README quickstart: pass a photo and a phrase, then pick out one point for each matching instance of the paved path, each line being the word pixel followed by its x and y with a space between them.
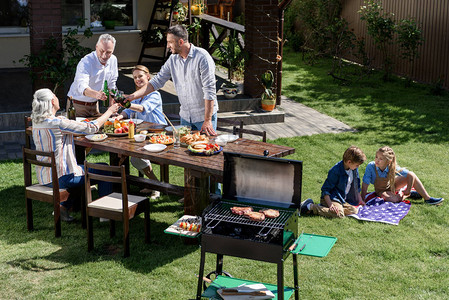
pixel 300 120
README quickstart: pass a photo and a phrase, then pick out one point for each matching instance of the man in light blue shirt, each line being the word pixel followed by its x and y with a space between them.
pixel 91 72
pixel 192 70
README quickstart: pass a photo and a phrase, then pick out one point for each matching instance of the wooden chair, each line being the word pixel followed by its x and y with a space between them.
pixel 39 192
pixel 115 206
pixel 27 123
pixel 241 131
pixel 234 124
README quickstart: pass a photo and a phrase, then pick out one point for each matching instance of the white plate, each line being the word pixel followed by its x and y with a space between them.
pixel 80 119
pixel 226 138
pixel 97 137
pixel 169 128
pixel 137 121
pixel 155 147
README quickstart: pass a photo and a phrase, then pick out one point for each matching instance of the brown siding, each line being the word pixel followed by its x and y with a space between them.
pixel 433 15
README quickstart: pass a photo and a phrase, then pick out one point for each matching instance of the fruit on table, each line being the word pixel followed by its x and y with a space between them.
pixel 116 127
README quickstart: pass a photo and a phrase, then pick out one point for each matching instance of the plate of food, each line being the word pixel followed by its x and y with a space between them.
pixel 206 149
pixel 82 119
pixel 187 225
pixel 99 137
pixel 155 147
pixel 161 139
pixel 190 138
pixel 153 128
pixel 170 129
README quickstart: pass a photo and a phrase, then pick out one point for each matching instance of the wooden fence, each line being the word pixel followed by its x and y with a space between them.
pixel 433 17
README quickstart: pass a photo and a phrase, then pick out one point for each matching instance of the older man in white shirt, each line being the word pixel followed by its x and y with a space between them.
pixel 192 70
pixel 91 73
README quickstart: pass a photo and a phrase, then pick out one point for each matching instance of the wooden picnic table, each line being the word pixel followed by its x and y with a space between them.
pixel 197 169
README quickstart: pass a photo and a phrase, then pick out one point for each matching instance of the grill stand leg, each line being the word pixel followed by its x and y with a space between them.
pixel 219 265
pixel 295 275
pixel 280 281
pixel 200 275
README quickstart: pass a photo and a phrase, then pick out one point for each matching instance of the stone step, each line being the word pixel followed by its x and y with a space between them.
pixel 250 117
pixel 13 136
pixel 12 120
pixel 239 103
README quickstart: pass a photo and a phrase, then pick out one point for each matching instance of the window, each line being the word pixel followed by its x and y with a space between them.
pixel 99 14
pixel 14 13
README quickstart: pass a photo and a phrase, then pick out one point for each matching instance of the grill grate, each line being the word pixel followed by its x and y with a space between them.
pixel 221 212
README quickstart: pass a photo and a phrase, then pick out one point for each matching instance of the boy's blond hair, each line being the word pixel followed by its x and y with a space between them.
pixel 354 154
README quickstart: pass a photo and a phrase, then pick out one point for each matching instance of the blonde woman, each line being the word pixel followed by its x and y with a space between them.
pixel 388 178
pixel 149 109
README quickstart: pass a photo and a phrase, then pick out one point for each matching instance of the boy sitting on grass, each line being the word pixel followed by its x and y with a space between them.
pixel 340 192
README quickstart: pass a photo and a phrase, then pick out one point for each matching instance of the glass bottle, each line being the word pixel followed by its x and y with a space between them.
pixel 71 111
pixel 106 91
pixel 118 97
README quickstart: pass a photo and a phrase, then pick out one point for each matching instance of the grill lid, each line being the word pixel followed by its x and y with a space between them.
pixel 263 180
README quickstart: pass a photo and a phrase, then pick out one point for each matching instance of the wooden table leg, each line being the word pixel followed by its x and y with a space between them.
pixel 196 192
pixel 196 196
pixel 80 154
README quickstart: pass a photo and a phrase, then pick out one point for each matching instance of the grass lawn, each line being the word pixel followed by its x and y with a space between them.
pixel 369 260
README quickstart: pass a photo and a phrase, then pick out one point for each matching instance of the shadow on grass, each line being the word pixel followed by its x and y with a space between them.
pixel 71 247
pixel 409 114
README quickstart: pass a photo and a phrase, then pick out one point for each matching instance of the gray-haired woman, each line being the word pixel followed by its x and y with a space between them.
pixel 51 133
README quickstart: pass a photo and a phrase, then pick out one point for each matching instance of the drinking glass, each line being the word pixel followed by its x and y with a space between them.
pixel 133 117
pixel 176 139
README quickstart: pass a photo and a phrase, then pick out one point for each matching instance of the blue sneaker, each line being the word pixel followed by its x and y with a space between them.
pixel 434 201
pixel 304 210
pixel 414 195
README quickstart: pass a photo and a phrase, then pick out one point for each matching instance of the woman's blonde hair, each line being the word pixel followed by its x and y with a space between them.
pixel 42 106
pixel 388 153
pixel 143 69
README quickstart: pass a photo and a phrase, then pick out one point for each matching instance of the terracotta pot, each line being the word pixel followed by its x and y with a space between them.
pixel 268 104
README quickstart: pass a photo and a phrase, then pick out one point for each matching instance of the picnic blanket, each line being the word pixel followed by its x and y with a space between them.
pixel 378 210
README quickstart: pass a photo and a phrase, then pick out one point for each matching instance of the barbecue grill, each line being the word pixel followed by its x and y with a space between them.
pixel 262 183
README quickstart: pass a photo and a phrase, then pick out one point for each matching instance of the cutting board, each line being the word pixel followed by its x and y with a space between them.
pixel 248 288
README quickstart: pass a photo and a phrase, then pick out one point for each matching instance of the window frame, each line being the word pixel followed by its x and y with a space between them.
pixel 18 30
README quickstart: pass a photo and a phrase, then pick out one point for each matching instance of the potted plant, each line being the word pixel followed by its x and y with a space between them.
pixel 154 36
pixel 110 15
pixel 230 90
pixel 234 59
pixel 268 97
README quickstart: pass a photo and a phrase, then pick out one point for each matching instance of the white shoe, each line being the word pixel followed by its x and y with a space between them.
pixel 155 195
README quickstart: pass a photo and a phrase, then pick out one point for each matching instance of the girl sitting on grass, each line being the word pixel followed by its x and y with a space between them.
pixel 388 178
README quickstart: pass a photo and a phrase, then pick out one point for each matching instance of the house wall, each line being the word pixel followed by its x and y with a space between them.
pixel 15 46
pixel 262 21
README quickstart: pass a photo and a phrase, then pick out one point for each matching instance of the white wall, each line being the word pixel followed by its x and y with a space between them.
pixel 15 46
